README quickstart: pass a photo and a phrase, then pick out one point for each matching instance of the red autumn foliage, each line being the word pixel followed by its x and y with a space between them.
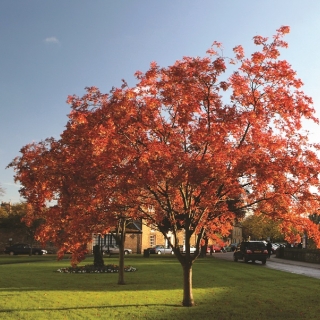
pixel 184 149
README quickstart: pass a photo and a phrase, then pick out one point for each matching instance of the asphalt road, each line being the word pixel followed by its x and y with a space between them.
pixel 303 268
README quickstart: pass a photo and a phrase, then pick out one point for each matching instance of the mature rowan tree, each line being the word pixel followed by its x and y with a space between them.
pixel 185 149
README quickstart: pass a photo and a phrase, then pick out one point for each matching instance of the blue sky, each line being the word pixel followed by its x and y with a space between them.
pixel 55 48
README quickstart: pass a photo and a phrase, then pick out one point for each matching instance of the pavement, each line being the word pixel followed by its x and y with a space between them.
pixel 298 267
pixel 295 263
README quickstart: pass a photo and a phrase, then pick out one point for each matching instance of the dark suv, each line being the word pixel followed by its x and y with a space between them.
pixel 251 251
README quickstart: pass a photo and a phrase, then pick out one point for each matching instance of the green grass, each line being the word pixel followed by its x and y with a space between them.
pixel 30 288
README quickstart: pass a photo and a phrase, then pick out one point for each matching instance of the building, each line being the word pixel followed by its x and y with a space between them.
pixel 140 237
pixel 236 234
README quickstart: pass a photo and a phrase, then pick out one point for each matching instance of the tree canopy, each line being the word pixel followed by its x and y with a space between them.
pixel 1 191
pixel 260 227
pixel 12 218
pixel 185 149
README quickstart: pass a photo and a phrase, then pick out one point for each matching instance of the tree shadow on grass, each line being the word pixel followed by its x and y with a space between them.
pixel 92 307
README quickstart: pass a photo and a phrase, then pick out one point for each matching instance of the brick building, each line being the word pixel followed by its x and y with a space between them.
pixel 140 237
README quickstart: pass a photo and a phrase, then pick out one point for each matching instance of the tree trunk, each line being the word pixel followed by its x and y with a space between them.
pixel 97 256
pixel 121 265
pixel 122 236
pixel 203 252
pixel 187 285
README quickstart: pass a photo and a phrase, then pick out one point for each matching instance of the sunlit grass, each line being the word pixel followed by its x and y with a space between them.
pixel 222 290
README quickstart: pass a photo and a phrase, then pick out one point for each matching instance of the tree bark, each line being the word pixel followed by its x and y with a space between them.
pixel 97 256
pixel 187 285
pixel 122 236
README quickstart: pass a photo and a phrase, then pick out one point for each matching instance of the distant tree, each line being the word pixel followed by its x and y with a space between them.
pixel 174 153
pixel 14 217
pixel 260 227
pixel 5 209
pixel 2 192
pixel 315 218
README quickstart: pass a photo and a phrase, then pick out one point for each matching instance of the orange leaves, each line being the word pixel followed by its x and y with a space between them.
pixel 224 85
pixel 217 44
pixel 138 75
pixel 174 142
pixel 238 50
pixel 258 40
pixel 257 57
pixel 212 51
pixel 294 227
pixel 219 65
pixel 78 117
pixel 283 30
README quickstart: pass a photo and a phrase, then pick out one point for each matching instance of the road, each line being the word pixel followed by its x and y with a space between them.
pixel 298 267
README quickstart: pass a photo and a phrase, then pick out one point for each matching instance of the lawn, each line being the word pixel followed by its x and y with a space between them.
pixel 32 289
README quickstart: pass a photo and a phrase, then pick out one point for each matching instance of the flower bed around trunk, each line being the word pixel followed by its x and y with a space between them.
pixel 110 268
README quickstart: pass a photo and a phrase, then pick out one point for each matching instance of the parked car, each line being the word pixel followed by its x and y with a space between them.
pixel 114 249
pixel 192 249
pixel 231 247
pixel 22 248
pixel 159 249
pixel 251 251
pixel 216 248
pixel 274 247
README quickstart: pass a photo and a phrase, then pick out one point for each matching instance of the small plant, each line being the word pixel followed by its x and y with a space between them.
pixel 110 268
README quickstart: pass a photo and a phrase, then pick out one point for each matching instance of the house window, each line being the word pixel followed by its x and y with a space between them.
pixel 103 240
pixel 152 240
pixel 97 240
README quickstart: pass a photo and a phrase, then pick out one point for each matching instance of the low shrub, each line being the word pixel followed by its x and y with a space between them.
pixel 110 268
pixel 297 254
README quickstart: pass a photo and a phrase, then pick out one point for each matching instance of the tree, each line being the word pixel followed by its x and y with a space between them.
pixel 260 227
pixel 174 152
pixel 120 236
pixel 1 191
pixel 12 217
pixel 62 171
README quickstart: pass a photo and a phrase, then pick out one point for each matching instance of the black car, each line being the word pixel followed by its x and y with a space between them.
pixel 22 248
pixel 251 251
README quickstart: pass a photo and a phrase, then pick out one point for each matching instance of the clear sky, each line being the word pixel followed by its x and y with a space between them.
pixel 54 48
